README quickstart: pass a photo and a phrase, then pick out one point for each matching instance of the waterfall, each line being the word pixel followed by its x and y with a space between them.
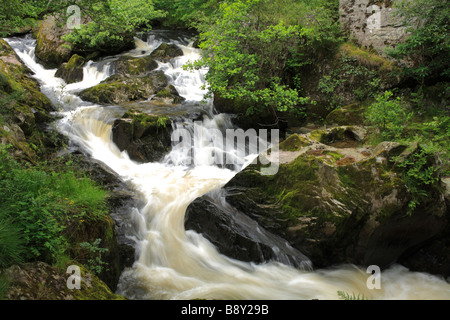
pixel 173 263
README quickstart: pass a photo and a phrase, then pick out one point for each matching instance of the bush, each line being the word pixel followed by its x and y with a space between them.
pixel 40 204
pixel 249 45
pixel 389 115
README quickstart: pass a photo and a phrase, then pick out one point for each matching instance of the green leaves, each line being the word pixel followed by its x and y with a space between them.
pixel 419 173
pixel 247 46
pixel 428 46
pixel 112 22
pixel 389 115
pixel 40 204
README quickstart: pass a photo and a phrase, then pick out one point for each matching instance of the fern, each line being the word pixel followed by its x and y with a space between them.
pixel 346 296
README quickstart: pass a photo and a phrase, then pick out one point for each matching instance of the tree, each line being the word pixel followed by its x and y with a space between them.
pixel 248 46
pixel 388 115
pixel 111 21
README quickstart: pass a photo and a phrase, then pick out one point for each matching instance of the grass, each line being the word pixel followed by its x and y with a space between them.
pixel 40 204
pixel 369 59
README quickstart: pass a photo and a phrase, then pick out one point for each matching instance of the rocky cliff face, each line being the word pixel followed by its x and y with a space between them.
pixel 372 24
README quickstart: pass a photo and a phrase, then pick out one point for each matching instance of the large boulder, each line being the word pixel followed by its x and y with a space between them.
pixel 117 89
pixel 128 66
pixel 339 201
pixel 145 137
pixel 237 236
pixel 40 281
pixel 51 49
pixel 72 71
pixel 165 52
pixel 134 79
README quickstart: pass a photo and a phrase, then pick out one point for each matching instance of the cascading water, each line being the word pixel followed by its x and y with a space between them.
pixel 173 263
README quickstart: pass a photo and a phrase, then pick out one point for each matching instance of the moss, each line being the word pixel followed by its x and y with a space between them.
pixel 369 59
pixel 92 288
pixel 334 155
pixel 348 115
pixel 294 143
pixel 135 66
pixel 317 135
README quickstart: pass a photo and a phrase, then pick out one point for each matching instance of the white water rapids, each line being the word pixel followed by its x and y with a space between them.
pixel 173 263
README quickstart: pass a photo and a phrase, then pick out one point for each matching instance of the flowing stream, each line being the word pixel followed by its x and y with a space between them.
pixel 172 263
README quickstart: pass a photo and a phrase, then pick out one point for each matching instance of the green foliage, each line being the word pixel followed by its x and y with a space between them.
pixel 428 46
pixel 41 203
pixel 389 115
pixel 186 13
pixel 346 296
pixel 4 284
pixel 11 243
pixel 113 21
pixel 249 45
pixel 96 264
pixel 419 173
pixel 18 14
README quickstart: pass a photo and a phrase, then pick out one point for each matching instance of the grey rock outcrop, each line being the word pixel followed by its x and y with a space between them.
pixel 373 24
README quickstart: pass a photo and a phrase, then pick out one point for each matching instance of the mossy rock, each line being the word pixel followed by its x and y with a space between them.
pixel 343 211
pixel 168 95
pixel 40 281
pixel 294 142
pixel 24 109
pixel 260 119
pixel 145 137
pixel 72 71
pixel 51 50
pixel 130 66
pixel 165 52
pixel 116 89
pixel 344 116
pixel 339 137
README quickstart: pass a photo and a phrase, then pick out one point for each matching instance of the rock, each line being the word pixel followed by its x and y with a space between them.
pixel 72 71
pixel 348 115
pixel 129 66
pixel 117 89
pixel 168 95
pixel 146 138
pixel 237 236
pixel 134 79
pixel 40 281
pixel 238 108
pixel 340 205
pixel 27 110
pixel 165 52
pixel 51 50
pixel 373 24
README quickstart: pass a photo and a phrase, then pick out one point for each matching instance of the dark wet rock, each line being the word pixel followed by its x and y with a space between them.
pixel 239 237
pixel 168 95
pixel 146 138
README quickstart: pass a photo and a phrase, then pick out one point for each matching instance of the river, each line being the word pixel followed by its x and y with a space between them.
pixel 174 263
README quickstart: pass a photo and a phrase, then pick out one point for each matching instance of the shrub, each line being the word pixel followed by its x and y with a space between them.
pixel 389 115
